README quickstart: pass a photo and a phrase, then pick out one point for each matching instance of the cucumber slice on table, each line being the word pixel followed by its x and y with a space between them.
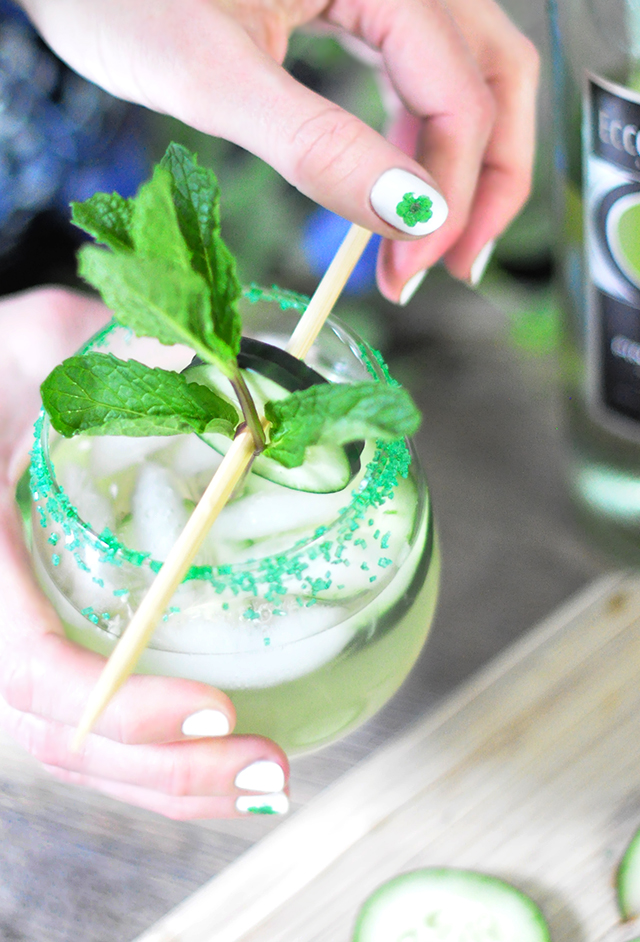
pixel 628 880
pixel 271 374
pixel 453 905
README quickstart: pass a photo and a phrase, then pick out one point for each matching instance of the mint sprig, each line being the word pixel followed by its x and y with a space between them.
pixel 165 272
pixel 339 413
pixel 103 395
pixel 153 288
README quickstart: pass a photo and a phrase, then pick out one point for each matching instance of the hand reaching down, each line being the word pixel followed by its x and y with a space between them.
pixel 463 77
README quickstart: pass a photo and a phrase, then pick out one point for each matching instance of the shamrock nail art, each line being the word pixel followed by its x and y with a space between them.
pixel 408 203
pixel 413 209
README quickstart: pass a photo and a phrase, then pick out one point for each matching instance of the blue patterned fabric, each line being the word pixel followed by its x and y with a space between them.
pixel 61 137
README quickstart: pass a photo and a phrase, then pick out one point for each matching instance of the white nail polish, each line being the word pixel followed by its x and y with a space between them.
pixel 480 265
pixel 206 723
pixel 407 203
pixel 263 804
pixel 412 286
pixel 261 776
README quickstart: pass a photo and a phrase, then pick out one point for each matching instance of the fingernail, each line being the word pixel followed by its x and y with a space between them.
pixel 263 804
pixel 408 203
pixel 480 265
pixel 261 776
pixel 412 286
pixel 206 723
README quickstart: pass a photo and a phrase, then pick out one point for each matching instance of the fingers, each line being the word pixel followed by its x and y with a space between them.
pixel 511 65
pixel 180 808
pixel 161 743
pixel 446 120
pixel 487 185
pixel 327 153
pixel 43 673
pixel 198 61
pixel 51 677
pixel 461 69
pixel 206 767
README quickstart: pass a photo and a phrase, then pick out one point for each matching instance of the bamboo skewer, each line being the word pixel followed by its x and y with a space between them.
pixel 138 633
pixel 328 292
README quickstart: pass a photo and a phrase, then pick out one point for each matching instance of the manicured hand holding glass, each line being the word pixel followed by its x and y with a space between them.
pixel 162 743
pixel 463 76
pixel 466 80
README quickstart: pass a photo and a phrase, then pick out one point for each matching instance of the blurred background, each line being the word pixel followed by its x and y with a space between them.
pixel 483 366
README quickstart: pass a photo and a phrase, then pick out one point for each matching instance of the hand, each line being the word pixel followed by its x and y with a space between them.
pixel 138 752
pixel 465 77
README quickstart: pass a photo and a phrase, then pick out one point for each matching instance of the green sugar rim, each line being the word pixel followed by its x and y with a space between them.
pixel 262 576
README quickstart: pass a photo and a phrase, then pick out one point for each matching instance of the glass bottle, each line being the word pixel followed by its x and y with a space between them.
pixel 596 84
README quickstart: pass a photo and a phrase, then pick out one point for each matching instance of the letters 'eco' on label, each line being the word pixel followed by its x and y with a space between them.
pixel 616 128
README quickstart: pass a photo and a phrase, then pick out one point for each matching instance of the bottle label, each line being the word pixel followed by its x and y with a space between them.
pixel 612 237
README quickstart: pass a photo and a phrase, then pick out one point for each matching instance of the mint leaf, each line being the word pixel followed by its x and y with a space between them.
pixel 157 299
pixel 155 230
pixel 107 217
pixel 196 196
pixel 338 413
pixel 102 395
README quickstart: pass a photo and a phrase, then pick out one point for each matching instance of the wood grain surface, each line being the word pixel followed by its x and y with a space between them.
pixel 530 772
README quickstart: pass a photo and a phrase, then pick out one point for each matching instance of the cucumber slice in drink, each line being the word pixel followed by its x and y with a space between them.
pixel 628 880
pixel 270 374
pixel 276 364
pixel 456 905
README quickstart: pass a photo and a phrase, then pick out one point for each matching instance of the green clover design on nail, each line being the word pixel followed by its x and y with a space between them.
pixel 261 809
pixel 413 209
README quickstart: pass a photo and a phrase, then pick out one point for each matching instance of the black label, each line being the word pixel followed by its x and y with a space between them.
pixel 612 235
pixel 615 128
pixel 620 355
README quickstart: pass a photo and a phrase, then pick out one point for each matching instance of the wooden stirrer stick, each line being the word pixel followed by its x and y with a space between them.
pixel 138 633
pixel 328 291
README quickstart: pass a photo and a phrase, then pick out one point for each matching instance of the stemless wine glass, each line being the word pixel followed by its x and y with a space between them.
pixel 308 609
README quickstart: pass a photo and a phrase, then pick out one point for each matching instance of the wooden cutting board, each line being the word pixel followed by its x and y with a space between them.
pixel 530 772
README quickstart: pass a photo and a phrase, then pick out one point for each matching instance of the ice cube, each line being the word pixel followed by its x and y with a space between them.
pixel 230 652
pixel 273 510
pixel 112 453
pixel 158 509
pixel 231 553
pixel 193 456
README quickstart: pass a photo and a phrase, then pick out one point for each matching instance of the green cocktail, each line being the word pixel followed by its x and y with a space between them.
pixel 308 608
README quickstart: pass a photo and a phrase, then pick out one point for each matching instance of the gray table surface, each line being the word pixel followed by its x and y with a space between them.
pixel 75 866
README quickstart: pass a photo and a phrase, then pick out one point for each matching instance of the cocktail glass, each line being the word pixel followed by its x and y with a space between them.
pixel 308 609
